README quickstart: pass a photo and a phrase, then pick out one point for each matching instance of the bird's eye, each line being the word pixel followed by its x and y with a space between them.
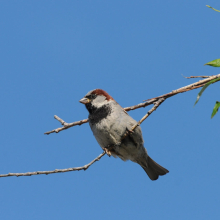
pixel 93 96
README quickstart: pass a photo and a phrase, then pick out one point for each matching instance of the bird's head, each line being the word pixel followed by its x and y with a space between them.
pixel 95 99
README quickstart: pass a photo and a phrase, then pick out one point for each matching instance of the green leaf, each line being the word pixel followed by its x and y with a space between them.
pixel 212 8
pixel 215 109
pixel 204 88
pixel 215 63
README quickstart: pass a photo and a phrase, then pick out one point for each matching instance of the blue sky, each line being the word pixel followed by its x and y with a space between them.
pixel 52 53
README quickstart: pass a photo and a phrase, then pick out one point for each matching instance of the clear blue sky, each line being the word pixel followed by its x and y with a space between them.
pixel 52 53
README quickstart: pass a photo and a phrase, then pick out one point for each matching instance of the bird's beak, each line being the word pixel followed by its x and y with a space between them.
pixel 84 100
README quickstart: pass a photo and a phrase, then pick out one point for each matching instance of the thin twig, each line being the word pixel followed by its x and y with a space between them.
pixel 156 105
pixel 192 77
pixel 141 105
pixel 67 125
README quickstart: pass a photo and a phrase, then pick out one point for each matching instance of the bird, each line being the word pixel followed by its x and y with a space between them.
pixel 109 122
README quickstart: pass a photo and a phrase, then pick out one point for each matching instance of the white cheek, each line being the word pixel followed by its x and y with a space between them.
pixel 99 101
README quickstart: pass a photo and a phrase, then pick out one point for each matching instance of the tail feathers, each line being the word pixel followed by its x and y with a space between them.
pixel 154 170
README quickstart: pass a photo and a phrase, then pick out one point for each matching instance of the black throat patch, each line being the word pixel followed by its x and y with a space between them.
pixel 97 114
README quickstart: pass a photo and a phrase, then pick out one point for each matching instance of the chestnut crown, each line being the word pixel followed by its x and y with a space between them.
pixel 96 96
pixel 92 94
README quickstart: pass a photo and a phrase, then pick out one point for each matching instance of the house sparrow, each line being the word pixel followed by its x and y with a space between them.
pixel 109 122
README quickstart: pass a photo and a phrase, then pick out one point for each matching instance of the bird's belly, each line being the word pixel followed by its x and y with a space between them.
pixel 127 150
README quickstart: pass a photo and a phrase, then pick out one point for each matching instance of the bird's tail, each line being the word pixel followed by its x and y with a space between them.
pixel 154 170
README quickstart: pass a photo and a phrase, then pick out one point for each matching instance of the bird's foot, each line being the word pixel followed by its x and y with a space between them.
pixel 127 132
pixel 107 151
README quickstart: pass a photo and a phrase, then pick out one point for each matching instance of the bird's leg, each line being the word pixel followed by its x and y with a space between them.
pixel 110 147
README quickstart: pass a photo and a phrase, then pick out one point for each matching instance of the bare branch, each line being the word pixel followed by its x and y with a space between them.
pixel 85 167
pixel 66 125
pixel 141 105
pixel 156 105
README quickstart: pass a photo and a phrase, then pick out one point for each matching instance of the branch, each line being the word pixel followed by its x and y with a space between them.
pixel 196 85
pixel 85 167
